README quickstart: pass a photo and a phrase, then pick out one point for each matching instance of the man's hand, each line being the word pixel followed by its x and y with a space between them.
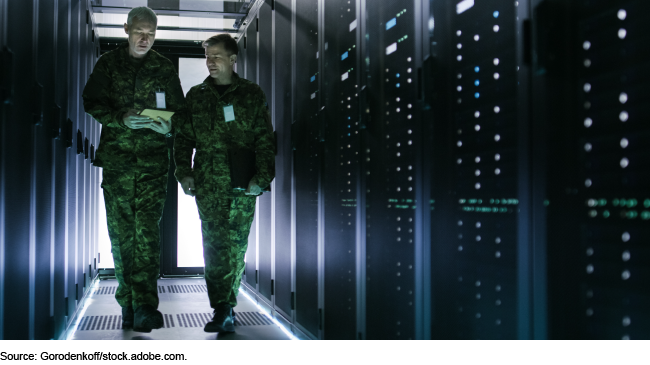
pixel 134 121
pixel 188 186
pixel 253 188
pixel 161 126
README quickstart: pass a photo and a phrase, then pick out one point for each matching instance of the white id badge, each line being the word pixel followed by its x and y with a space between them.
pixel 229 113
pixel 160 100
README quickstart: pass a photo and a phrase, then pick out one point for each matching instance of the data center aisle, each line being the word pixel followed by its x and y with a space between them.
pixel 184 304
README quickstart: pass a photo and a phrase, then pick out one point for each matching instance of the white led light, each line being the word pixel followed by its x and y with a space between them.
pixel 497 157
pixel 497 137
pixel 477 127
pixel 624 116
pixel 459 46
pixel 497 109
pixel 588 147
pixel 477 114
pixel 478 225
pixel 496 62
pixel 495 28
pixel 590 269
pixel 622 98
pixel 626 256
pixel 588 122
pixel 624 143
pixel 590 251
pixel 458 33
pixel 262 310
pixel 496 76
pixel 622 14
pixel 587 62
pixel 408 59
pixel 625 275
pixel 626 321
pixel 460 223
pixel 476 37
pixel 622 33
pixel 590 312
pixel 588 182
pixel 459 76
pixel 459 58
pixel 497 254
pixel 477 186
pixel 478 238
pixel 625 162
pixel 459 161
pixel 625 237
pixel 497 171
pixel 477 159
pixel 459 143
pixel 477 172
pixel 391 49
pixel 459 88
pixel 497 241
pixel 587 87
pixel 586 45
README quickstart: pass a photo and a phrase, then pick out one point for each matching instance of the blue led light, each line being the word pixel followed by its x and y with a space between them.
pixel 348 118
pixel 344 56
pixel 348 134
pixel 477 95
pixel 313 78
pixel 349 126
pixel 397 75
pixel 391 23
pixel 476 83
pixel 397 85
pixel 476 69
pixel 496 14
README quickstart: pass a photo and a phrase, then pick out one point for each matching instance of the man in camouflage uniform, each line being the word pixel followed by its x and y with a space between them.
pixel 226 214
pixel 135 159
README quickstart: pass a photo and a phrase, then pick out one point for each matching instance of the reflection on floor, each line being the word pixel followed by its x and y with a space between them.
pixel 185 307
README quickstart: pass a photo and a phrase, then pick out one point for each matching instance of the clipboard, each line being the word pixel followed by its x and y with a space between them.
pixel 154 114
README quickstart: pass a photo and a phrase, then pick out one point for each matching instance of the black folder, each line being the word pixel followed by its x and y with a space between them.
pixel 242 168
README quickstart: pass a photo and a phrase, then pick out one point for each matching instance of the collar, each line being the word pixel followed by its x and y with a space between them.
pixel 123 50
pixel 209 81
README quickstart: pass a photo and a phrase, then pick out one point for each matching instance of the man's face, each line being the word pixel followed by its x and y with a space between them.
pixel 218 60
pixel 141 37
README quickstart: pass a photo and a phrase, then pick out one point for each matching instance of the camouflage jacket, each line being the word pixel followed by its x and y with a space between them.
pixel 117 85
pixel 206 130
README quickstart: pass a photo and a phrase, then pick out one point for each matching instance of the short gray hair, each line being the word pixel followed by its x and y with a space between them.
pixel 142 13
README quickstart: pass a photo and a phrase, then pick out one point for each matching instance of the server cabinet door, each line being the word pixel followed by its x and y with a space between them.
pixel 599 203
pixel 341 167
pixel 265 201
pixel 307 165
pixel 481 130
pixel 283 113
pixel 251 74
pixel 390 171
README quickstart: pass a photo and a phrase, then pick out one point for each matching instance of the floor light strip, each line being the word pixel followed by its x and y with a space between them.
pixel 268 315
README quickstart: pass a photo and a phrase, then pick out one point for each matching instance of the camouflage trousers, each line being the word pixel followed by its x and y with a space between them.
pixel 225 224
pixel 134 205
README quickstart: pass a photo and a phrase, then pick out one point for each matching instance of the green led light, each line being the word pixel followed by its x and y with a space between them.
pixel 546 203
pixel 632 203
pixel 615 202
pixel 646 203
pixel 606 214
pixel 645 215
pixel 480 201
pixel 632 214
pixel 602 202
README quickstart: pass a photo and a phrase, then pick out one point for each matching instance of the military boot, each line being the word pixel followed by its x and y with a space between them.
pixel 127 318
pixel 147 318
pixel 222 320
